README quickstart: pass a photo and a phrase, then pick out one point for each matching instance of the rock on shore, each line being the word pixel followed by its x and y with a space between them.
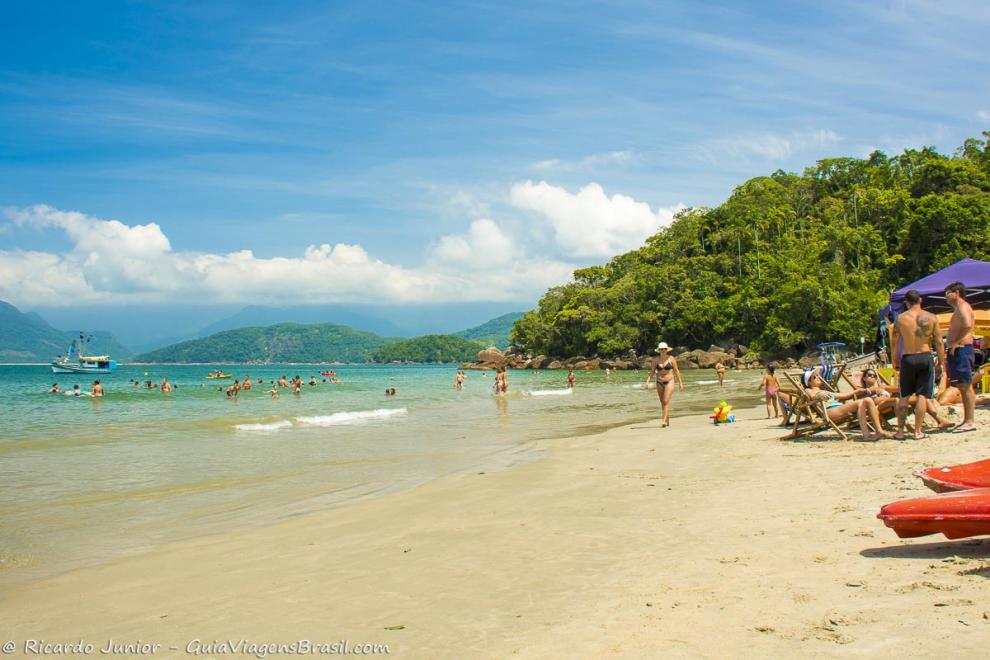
pixel 731 357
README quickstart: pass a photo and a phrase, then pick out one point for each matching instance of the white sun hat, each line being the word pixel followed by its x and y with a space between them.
pixel 662 346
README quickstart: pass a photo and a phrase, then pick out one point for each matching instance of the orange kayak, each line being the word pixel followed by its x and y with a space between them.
pixel 956 515
pixel 957 477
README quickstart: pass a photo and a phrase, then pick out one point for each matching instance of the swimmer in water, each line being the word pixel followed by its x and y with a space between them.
pixel 166 386
pixel 97 389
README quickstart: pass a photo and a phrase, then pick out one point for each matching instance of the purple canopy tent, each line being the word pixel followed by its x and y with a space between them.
pixel 974 274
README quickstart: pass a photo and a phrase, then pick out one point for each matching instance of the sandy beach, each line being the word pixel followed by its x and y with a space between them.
pixel 692 541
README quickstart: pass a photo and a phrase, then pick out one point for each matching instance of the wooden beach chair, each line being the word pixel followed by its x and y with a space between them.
pixel 810 416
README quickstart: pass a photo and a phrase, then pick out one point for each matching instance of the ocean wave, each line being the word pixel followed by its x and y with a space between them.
pixel 563 392
pixel 352 417
pixel 712 382
pixel 273 426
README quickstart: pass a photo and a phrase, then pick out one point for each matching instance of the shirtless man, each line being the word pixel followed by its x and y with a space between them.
pixel 912 337
pixel 247 383
pixel 97 389
pixel 961 360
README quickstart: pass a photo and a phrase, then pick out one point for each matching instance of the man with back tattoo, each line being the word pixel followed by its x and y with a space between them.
pixel 914 332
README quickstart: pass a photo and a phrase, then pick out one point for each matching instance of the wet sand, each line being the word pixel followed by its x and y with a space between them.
pixel 691 541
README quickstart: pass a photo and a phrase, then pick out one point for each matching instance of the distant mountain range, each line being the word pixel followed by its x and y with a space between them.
pixel 148 327
pixel 26 337
pixel 331 342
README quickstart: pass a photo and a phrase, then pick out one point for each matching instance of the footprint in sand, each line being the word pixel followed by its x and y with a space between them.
pixel 934 586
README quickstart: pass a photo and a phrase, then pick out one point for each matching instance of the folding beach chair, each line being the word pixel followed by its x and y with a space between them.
pixel 810 415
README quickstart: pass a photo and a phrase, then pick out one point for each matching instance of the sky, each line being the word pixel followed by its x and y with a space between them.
pixel 231 153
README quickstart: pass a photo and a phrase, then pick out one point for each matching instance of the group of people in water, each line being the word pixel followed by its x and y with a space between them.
pixel 95 390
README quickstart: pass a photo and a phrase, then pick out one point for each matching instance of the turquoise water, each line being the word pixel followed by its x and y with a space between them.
pixel 87 480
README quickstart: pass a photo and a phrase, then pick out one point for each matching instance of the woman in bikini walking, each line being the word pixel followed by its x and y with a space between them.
pixel 662 371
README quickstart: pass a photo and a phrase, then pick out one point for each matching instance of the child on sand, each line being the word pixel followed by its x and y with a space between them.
pixel 770 384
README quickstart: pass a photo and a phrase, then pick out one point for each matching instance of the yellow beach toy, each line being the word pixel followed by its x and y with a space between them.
pixel 722 413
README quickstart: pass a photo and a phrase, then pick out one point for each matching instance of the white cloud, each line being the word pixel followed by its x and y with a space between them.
pixel 768 146
pixel 611 158
pixel 485 245
pixel 113 261
pixel 589 223
pixel 983 115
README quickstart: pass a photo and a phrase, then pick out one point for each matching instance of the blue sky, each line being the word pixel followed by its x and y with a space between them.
pixel 439 151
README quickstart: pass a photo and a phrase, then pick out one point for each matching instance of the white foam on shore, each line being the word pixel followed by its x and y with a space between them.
pixel 563 392
pixel 352 417
pixel 639 386
pixel 712 382
pixel 274 426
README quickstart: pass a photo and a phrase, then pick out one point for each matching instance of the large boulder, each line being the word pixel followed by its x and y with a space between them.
pixel 490 355
pixel 707 360
pixel 538 362
pixel 555 364
pixel 685 363
pixel 593 363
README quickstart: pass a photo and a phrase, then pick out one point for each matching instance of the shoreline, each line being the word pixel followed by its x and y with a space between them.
pixel 695 541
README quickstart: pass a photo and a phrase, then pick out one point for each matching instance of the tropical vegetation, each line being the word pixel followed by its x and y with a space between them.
pixel 787 261
pixel 430 348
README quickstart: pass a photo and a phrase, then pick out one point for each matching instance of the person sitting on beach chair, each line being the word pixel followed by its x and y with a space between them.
pixel 841 407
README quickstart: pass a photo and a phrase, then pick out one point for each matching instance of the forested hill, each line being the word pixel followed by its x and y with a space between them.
pixel 494 332
pixel 284 342
pixel 430 349
pixel 789 260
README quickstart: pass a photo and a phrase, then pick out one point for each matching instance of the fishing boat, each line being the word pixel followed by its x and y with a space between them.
pixel 956 477
pixel 74 362
pixel 956 515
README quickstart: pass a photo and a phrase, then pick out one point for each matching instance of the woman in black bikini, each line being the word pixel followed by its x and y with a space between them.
pixel 662 371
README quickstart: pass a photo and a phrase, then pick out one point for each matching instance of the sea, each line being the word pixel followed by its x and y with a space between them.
pixel 85 481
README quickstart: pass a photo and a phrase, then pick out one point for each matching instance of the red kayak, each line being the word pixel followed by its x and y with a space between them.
pixel 957 477
pixel 957 515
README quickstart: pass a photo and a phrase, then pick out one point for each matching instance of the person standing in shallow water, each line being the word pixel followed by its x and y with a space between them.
pixel 662 372
pixel 720 372
pixel 570 378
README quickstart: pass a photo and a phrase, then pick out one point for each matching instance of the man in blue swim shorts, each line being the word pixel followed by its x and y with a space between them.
pixel 961 359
